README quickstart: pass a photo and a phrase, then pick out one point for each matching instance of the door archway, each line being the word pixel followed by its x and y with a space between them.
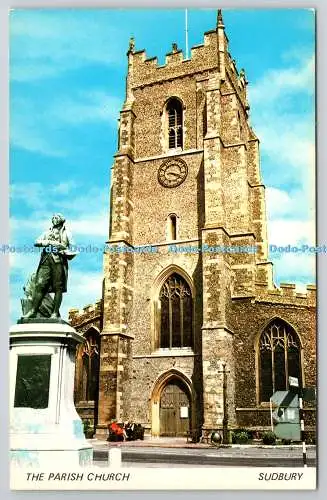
pixel 175 409
pixel 172 405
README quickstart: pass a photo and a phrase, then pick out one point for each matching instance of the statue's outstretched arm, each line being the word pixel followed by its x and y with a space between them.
pixel 44 241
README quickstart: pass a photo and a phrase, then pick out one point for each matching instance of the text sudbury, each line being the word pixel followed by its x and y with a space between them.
pixel 280 476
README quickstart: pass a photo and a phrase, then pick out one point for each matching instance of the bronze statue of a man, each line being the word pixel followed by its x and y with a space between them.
pixel 52 272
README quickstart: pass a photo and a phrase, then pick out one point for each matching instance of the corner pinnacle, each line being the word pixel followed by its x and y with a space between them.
pixel 131 45
pixel 220 22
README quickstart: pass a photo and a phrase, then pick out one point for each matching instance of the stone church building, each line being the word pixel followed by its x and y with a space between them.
pixel 188 290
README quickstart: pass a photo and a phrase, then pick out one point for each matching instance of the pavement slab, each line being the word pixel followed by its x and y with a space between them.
pixel 162 453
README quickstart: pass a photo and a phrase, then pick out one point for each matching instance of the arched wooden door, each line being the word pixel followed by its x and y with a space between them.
pixel 175 409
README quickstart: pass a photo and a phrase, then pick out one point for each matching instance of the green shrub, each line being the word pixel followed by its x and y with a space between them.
pixel 87 428
pixel 310 438
pixel 240 436
pixel 269 438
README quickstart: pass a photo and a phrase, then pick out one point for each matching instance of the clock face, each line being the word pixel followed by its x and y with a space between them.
pixel 172 173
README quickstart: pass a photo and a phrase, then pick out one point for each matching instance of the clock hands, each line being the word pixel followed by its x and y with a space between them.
pixel 173 174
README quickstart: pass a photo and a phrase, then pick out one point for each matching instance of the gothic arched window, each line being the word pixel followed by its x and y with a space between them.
pixel 89 363
pixel 175 123
pixel 175 313
pixel 280 358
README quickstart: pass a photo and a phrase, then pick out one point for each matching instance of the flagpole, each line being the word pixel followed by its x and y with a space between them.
pixel 186 34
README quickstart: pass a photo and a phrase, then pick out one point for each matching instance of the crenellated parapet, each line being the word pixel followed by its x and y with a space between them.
pixel 89 314
pixel 203 61
pixel 287 294
pixel 210 56
pixel 147 71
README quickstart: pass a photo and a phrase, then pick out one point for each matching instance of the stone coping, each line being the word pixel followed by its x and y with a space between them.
pixel 42 327
pixel 58 321
pixel 45 331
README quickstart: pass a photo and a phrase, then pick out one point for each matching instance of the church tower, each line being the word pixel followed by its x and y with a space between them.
pixel 185 179
pixel 193 334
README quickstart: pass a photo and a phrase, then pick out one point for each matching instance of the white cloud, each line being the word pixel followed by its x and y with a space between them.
pixel 23 232
pixel 301 287
pixel 31 130
pixel 85 209
pixel 64 187
pixel 88 222
pixel 76 195
pixel 30 193
pixel 278 83
pixel 290 204
pixel 294 268
pixel 290 146
pixel 284 124
pixel 96 225
pixel 282 113
pixel 25 134
pixel 45 43
pixel 39 128
pixel 294 232
pixel 86 107
pixel 20 261
pixel 84 288
pixel 278 202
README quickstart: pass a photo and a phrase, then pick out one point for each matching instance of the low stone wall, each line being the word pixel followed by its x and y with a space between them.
pixel 86 410
pixel 259 418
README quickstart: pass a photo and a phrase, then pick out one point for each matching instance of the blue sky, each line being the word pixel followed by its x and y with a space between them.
pixel 68 68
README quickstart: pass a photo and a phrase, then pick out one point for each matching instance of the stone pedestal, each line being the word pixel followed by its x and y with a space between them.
pixel 45 429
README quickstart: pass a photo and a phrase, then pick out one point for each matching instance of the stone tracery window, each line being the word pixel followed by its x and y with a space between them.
pixel 280 357
pixel 175 123
pixel 175 313
pixel 89 364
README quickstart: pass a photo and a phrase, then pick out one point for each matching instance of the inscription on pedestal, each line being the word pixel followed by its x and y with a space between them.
pixel 32 381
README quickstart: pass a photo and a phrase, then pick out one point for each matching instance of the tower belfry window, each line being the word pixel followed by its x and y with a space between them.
pixel 172 227
pixel 175 124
